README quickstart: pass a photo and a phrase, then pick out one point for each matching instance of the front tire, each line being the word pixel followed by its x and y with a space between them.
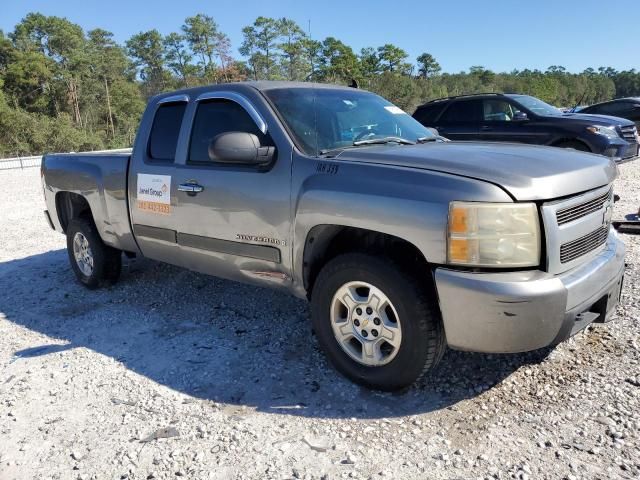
pixel 93 262
pixel 377 322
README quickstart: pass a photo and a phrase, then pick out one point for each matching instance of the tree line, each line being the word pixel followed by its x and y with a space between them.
pixel 66 89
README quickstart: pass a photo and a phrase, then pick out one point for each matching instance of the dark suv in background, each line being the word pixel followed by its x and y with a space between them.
pixel 628 108
pixel 522 118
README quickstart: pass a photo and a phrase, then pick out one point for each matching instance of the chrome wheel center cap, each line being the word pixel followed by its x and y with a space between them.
pixel 365 323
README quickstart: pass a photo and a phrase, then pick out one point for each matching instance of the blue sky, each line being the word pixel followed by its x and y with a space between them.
pixel 500 35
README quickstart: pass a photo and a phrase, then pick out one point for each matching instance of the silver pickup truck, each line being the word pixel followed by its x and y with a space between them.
pixel 404 243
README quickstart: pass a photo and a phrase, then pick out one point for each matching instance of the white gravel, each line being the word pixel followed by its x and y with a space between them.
pixel 174 374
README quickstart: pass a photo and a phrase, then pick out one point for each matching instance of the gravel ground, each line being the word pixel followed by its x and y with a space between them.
pixel 174 374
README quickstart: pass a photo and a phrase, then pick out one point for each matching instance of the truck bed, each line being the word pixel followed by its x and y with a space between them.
pixel 101 178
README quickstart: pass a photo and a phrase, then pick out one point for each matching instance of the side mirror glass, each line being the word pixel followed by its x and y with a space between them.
pixel 520 117
pixel 239 148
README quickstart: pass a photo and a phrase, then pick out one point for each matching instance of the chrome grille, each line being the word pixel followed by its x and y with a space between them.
pixel 569 214
pixel 576 228
pixel 583 245
pixel 629 133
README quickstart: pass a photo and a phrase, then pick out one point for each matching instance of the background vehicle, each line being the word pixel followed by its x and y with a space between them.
pixel 338 196
pixel 628 108
pixel 521 118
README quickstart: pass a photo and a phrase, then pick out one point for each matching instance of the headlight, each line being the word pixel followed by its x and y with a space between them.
pixel 493 234
pixel 609 132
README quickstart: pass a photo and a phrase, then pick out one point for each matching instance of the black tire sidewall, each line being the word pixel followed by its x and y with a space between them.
pixel 579 146
pixel 411 303
pixel 98 251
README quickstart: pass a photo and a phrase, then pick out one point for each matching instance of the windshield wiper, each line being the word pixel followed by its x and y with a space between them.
pixel 427 139
pixel 332 152
pixel 383 141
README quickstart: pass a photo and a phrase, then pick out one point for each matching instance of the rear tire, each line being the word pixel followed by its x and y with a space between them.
pixel 93 262
pixel 373 280
pixel 581 147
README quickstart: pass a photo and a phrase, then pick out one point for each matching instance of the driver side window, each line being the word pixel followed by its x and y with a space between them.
pixel 218 116
pixel 498 111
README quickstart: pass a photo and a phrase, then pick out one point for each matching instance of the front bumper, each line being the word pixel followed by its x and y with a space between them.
pixel 527 310
pixel 623 152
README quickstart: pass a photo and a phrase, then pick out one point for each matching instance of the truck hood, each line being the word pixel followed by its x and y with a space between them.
pixel 526 172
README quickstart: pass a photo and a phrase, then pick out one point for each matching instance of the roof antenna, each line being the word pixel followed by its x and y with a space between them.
pixel 354 83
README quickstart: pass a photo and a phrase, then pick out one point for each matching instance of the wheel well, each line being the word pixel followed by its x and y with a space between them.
pixel 325 242
pixel 70 205
pixel 562 141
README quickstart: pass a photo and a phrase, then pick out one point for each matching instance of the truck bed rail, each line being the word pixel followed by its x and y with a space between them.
pixel 14 163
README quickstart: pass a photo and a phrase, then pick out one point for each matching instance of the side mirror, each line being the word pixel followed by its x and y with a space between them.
pixel 239 148
pixel 520 117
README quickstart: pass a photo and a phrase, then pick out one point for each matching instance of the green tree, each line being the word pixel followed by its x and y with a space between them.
pixel 295 65
pixel 27 77
pixel 63 43
pixel 338 62
pixel 178 58
pixel 369 62
pixel 393 59
pixel 627 83
pixel 261 47
pixel 201 31
pixel 607 71
pixel 557 69
pixel 115 97
pixel 427 65
pixel 313 54
pixel 147 51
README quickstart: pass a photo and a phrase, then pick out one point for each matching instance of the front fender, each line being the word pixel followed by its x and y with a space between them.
pixel 410 204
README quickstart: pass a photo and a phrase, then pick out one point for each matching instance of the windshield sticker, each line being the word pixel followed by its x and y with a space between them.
pixel 154 193
pixel 395 110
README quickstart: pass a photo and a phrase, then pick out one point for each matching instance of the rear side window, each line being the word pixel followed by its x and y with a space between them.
pixel 220 116
pixel 463 111
pixel 165 130
pixel 427 114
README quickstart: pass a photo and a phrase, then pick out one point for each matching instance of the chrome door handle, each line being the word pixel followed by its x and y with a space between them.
pixel 190 188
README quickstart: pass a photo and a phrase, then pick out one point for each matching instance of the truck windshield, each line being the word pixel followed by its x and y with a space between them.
pixel 328 119
pixel 536 105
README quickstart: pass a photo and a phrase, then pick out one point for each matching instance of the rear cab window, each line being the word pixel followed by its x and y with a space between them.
pixel 165 130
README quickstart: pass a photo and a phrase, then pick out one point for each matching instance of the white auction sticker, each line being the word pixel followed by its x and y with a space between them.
pixel 154 193
pixel 395 110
